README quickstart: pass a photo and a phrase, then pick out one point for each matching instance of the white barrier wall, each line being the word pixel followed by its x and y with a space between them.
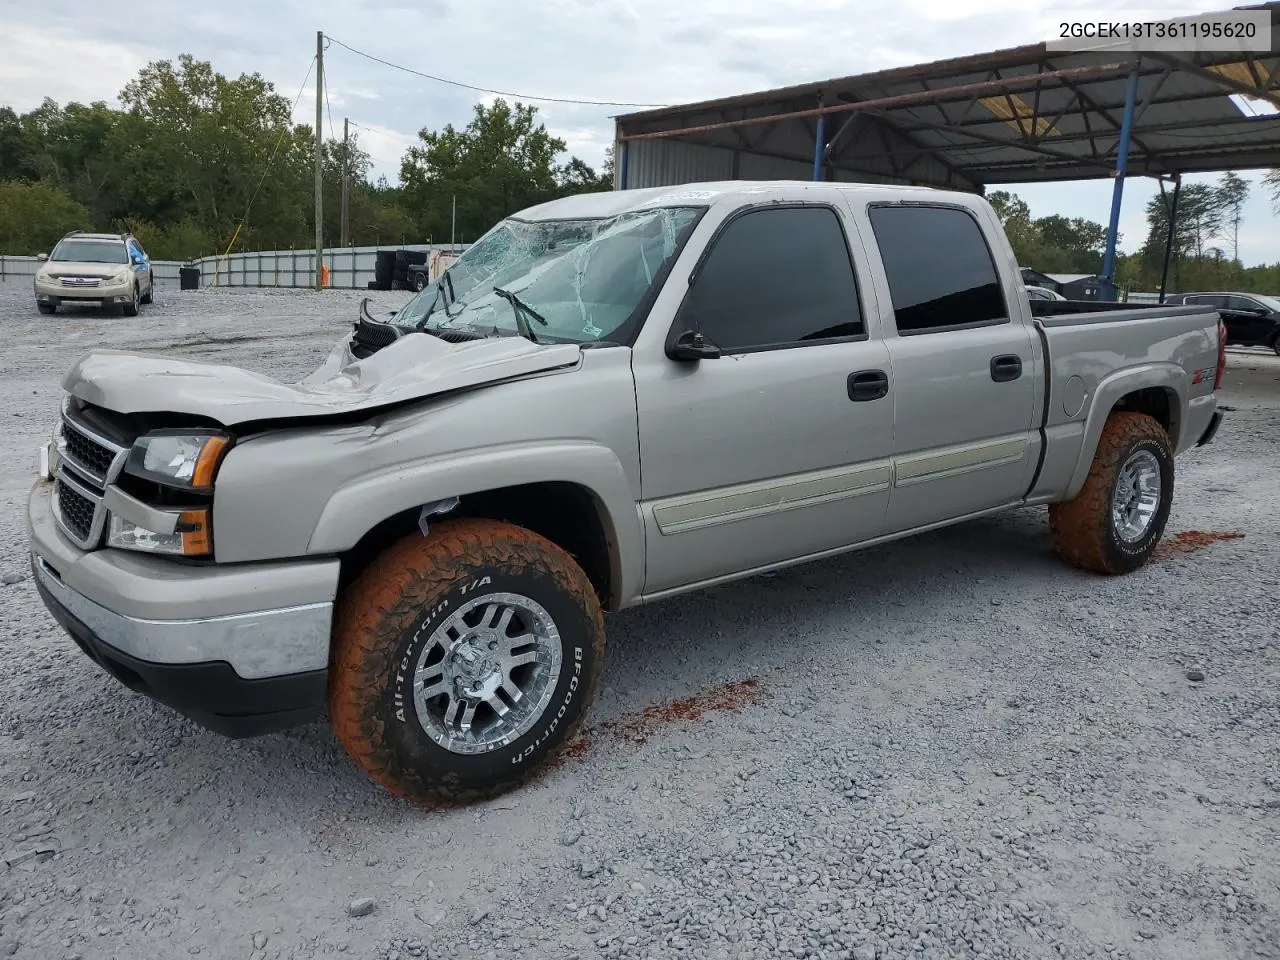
pixel 349 267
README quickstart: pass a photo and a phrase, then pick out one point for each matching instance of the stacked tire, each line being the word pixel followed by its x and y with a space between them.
pixel 384 268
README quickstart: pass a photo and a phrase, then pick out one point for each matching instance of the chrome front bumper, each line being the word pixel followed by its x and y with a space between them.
pixel 264 620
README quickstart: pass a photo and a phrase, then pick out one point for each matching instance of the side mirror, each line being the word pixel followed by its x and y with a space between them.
pixel 692 345
pixel 42 257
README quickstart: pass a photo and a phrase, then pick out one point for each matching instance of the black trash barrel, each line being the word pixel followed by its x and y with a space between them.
pixel 189 278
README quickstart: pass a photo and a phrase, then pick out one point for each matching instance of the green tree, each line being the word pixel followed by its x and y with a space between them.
pixel 502 161
pixel 34 216
pixel 1272 181
pixel 203 145
pixel 1233 191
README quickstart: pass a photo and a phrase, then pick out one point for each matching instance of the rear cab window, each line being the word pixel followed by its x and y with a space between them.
pixel 942 275
pixel 775 277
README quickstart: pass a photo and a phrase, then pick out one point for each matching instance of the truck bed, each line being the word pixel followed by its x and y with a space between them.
pixel 1057 313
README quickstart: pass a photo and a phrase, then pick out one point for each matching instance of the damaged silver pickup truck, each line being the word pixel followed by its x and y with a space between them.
pixel 609 399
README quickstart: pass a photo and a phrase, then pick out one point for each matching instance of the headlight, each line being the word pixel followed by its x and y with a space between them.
pixel 186 459
pixel 190 537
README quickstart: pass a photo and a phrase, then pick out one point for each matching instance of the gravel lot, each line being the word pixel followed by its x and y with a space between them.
pixel 950 747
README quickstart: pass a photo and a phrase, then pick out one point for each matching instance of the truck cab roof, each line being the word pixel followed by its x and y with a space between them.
pixel 611 203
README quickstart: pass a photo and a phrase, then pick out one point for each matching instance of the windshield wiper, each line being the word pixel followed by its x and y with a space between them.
pixel 521 308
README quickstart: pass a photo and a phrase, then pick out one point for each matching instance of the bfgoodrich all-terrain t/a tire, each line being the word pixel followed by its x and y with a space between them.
pixel 464 660
pixel 1113 524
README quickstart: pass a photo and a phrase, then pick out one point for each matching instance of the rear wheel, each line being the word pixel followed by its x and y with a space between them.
pixel 464 661
pixel 420 281
pixel 47 307
pixel 1275 344
pixel 1113 524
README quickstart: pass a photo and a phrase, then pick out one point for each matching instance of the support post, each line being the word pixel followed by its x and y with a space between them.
pixel 344 228
pixel 453 227
pixel 1173 229
pixel 623 152
pixel 1122 166
pixel 820 147
pixel 319 156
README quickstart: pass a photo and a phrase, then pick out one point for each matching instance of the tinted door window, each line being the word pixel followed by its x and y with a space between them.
pixel 1242 303
pixel 775 277
pixel 940 270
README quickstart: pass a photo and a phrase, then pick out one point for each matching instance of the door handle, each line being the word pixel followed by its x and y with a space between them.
pixel 868 385
pixel 1006 367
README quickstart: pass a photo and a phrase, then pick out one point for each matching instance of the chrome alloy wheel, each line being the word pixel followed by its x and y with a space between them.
pixel 1137 496
pixel 487 673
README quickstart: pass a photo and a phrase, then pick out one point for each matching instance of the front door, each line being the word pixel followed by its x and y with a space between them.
pixel 779 448
pixel 965 415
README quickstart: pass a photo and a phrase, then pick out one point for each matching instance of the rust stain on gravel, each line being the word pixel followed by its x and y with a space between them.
pixel 637 728
pixel 1189 541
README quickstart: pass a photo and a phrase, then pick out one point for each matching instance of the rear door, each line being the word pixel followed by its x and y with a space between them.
pixel 779 448
pixel 1251 328
pixel 965 422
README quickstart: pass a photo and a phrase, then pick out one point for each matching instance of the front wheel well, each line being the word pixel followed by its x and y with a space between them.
pixel 1159 403
pixel 567 514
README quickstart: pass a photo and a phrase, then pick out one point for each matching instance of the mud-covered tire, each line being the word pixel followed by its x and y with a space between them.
pixel 1085 530
pixel 387 618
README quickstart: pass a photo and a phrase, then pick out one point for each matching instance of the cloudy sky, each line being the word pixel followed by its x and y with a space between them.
pixel 659 51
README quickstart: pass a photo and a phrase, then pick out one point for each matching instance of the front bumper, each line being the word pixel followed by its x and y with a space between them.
pixel 199 639
pixel 53 291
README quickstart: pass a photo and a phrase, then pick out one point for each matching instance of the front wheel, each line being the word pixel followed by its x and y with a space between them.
pixel 149 296
pixel 464 661
pixel 1275 345
pixel 47 307
pixel 1113 524
pixel 130 307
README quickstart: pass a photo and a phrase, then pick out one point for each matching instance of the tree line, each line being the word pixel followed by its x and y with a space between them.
pixel 1204 254
pixel 192 159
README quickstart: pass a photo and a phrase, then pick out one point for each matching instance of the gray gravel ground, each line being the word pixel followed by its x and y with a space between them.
pixel 957 747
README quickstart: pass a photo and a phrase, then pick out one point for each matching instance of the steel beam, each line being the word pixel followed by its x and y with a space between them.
pixel 964 90
pixel 1168 243
pixel 1271 96
pixel 1122 165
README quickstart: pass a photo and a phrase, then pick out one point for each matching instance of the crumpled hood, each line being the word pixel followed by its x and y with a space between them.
pixel 414 367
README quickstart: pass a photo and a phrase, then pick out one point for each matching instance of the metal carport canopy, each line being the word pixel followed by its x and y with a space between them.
pixel 1012 116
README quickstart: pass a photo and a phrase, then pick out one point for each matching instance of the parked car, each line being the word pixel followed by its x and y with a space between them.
pixel 596 406
pixel 1252 319
pixel 1043 293
pixel 107 269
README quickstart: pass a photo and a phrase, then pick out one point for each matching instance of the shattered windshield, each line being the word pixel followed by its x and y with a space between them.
pixel 565 280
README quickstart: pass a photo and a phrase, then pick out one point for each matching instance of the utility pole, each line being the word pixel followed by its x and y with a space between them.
pixel 319 156
pixel 345 229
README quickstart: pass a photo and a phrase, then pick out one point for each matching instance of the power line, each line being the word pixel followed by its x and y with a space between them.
pixel 500 93
pixel 325 80
pixel 284 131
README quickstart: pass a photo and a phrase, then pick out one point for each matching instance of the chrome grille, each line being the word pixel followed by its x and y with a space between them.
pixel 91 457
pixel 88 463
pixel 75 510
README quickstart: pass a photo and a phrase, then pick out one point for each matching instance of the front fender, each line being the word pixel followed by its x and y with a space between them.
pixel 356 508
pixel 1110 390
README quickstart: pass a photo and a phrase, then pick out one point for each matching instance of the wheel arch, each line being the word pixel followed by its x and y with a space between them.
pixel 576 495
pixel 1158 390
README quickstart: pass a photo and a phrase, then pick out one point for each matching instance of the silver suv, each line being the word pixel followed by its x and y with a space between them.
pixel 110 269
